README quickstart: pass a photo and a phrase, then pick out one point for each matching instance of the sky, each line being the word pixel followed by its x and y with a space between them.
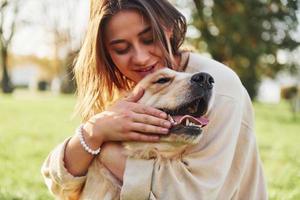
pixel 31 39
pixel 35 39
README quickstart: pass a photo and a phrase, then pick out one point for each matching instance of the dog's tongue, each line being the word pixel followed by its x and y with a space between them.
pixel 201 120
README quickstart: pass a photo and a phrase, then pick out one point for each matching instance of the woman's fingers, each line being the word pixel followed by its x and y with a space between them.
pixel 134 97
pixel 138 108
pixel 150 129
pixel 133 121
pixel 148 119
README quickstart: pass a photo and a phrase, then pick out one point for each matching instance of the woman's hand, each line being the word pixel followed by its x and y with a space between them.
pixel 127 120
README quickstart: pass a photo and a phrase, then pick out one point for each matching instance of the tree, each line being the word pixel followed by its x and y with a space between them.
pixel 7 31
pixel 246 35
pixel 59 20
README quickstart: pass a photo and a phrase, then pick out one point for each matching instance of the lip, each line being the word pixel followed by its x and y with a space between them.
pixel 149 67
pixel 147 70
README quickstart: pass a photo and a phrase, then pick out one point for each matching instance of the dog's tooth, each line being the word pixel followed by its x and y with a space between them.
pixel 169 118
pixel 187 122
pixel 173 120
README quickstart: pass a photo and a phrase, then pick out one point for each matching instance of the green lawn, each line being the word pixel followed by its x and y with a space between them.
pixel 278 136
pixel 31 125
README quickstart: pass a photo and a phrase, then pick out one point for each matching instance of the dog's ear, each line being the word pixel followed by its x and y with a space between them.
pixel 136 94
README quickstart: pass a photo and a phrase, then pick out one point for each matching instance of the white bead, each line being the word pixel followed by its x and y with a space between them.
pixel 79 131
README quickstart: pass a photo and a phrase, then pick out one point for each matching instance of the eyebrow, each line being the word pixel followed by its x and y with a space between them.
pixel 146 30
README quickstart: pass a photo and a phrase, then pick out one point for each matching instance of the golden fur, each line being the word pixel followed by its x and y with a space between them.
pixel 168 95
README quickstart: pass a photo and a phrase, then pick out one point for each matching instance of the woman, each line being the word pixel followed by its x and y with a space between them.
pixel 127 40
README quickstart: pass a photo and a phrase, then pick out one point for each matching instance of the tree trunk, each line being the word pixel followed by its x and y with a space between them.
pixel 251 80
pixel 6 84
pixel 198 7
pixel 68 83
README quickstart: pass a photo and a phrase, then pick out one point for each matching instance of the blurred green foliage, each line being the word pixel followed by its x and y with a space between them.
pixel 246 35
pixel 32 125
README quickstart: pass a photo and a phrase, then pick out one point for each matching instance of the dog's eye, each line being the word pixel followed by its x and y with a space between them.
pixel 163 80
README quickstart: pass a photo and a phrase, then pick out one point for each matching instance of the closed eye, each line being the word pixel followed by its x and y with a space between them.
pixel 148 41
pixel 162 80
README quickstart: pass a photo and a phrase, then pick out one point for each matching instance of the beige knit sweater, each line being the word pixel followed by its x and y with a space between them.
pixel 224 165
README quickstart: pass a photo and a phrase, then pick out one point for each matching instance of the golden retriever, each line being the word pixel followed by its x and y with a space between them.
pixel 185 98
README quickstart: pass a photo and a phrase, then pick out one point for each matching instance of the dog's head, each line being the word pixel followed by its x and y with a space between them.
pixel 184 97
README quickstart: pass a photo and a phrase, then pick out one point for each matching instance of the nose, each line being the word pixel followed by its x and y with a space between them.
pixel 203 79
pixel 141 56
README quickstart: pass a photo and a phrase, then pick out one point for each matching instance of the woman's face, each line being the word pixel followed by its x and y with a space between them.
pixel 129 41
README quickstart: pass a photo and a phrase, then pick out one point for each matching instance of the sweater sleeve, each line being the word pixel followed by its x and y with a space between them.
pixel 205 169
pixel 59 181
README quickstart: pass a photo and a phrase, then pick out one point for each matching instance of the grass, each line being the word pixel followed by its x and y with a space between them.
pixel 32 124
pixel 278 136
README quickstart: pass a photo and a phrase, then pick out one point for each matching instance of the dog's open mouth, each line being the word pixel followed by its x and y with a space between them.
pixel 187 122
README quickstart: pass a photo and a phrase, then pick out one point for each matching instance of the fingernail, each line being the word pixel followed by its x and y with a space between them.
pixel 163 115
pixel 167 124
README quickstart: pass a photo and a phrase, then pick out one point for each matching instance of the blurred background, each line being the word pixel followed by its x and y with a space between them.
pixel 258 39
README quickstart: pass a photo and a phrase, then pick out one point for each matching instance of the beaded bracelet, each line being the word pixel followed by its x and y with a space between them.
pixel 79 131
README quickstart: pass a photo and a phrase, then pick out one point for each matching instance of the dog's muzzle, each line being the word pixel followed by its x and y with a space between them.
pixel 187 119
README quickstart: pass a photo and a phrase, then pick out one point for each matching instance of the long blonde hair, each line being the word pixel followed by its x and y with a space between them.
pixel 99 82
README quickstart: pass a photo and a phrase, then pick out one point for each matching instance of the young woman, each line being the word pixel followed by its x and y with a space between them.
pixel 127 40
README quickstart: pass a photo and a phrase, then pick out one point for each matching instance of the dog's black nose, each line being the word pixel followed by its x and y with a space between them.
pixel 203 79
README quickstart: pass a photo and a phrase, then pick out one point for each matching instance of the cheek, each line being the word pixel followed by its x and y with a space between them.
pixel 157 51
pixel 119 61
pixel 122 62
